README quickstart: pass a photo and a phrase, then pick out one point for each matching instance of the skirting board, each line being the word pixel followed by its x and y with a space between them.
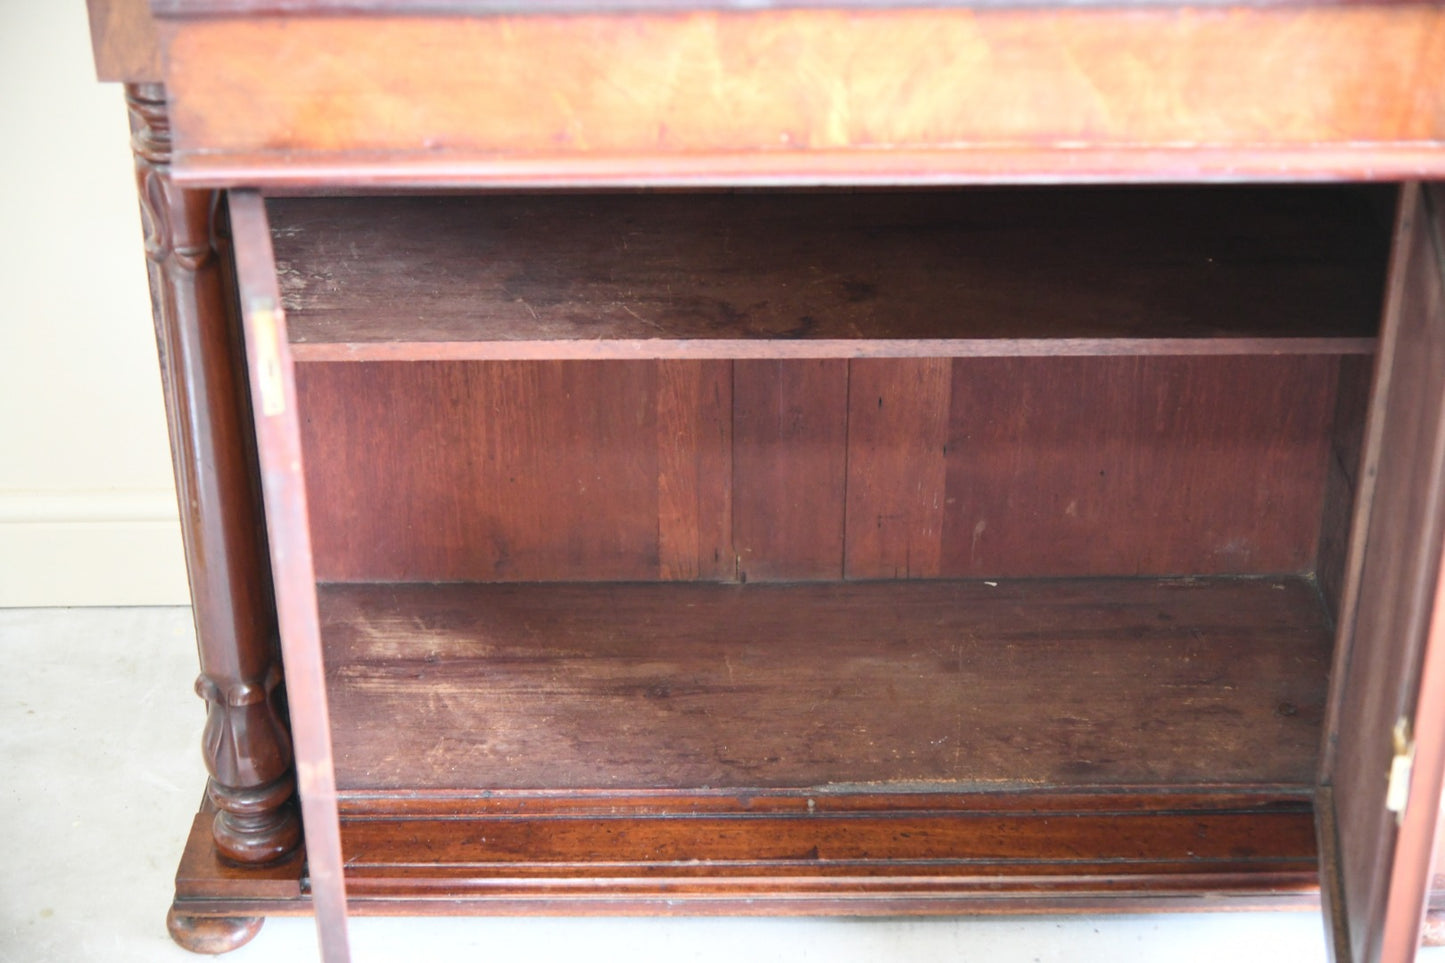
pixel 90 548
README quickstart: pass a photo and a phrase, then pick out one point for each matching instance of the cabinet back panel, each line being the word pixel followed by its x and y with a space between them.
pixel 817 470
pixel 518 471
pixel 1136 466
pixel 790 464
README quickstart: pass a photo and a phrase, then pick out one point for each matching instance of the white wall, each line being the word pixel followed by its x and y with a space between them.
pixel 87 507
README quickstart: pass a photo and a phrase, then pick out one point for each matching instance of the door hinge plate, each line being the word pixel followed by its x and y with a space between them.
pixel 269 381
pixel 1397 792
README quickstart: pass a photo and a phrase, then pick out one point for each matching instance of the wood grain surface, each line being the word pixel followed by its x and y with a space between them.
pixel 858 853
pixel 831 274
pixel 801 469
pixel 1386 619
pixel 790 463
pixel 1134 466
pixel 810 96
pixel 519 471
pixel 191 8
pixel 123 39
pixel 897 484
pixel 246 743
pixel 954 686
pixel 1343 486
pixel 271 374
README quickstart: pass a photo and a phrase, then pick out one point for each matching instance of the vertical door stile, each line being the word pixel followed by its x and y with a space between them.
pixel 283 484
pixel 1384 753
pixel 1419 821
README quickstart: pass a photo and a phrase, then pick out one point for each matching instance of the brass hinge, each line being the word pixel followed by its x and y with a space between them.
pixel 1397 792
pixel 269 382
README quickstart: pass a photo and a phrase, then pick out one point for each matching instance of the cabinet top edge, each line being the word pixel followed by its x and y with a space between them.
pixel 212 8
pixel 280 173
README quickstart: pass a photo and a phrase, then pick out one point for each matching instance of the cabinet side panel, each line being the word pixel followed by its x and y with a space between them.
pixel 790 429
pixel 488 471
pixel 1136 466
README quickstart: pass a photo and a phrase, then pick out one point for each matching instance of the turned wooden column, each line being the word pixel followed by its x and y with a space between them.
pixel 246 745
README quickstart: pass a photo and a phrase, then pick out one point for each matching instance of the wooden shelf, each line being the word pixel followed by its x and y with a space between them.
pixel 951 686
pixel 819 275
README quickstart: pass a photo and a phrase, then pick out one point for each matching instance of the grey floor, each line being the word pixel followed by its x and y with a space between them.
pixel 100 775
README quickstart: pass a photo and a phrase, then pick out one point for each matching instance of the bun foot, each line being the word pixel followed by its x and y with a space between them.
pixel 1433 932
pixel 212 934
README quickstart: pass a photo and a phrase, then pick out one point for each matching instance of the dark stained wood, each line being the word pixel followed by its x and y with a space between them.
pixel 878 684
pixel 1151 466
pixel 350 93
pixel 1342 479
pixel 1420 838
pixel 694 471
pixel 805 349
pixel 839 853
pixel 437 804
pixel 204 874
pixel 212 934
pixel 519 471
pixel 967 847
pixel 897 467
pixel 283 490
pixel 930 856
pixel 246 744
pixel 911 467
pixel 123 39
pixel 1387 621
pixel 810 96
pixel 835 275
pixel 790 443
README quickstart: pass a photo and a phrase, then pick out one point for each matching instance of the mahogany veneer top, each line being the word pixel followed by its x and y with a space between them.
pixel 831 274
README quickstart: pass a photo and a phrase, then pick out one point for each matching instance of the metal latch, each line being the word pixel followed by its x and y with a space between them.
pixel 268 359
pixel 1397 793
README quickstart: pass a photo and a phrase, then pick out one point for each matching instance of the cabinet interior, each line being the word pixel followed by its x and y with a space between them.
pixel 843 494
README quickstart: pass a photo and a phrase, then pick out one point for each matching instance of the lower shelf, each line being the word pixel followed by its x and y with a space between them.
pixel 957 686
pixel 855 748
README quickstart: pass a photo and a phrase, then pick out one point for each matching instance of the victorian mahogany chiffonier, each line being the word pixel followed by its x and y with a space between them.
pixel 803 457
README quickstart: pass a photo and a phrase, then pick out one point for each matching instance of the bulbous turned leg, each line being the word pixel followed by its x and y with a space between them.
pixel 212 934
pixel 255 826
pixel 247 749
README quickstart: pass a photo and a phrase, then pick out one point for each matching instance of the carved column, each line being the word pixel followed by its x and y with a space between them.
pixel 246 745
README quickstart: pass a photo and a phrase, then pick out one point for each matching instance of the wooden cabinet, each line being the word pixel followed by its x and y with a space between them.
pixel 958 491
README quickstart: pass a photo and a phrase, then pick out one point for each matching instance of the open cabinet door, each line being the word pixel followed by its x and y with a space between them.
pixel 1385 737
pixel 288 530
